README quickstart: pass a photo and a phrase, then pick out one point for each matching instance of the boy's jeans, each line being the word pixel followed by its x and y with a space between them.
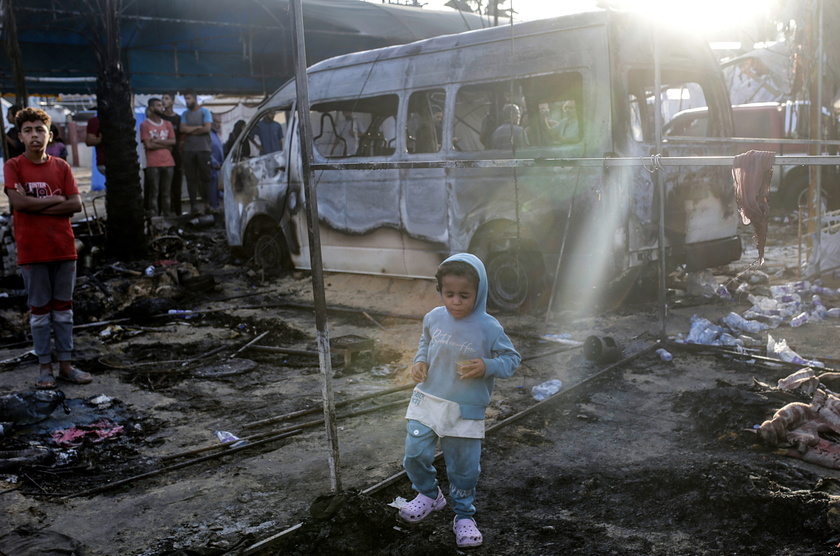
pixel 462 457
pixel 50 289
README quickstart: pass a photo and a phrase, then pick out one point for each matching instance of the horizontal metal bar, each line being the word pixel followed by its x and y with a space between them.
pixel 650 162
pixel 683 139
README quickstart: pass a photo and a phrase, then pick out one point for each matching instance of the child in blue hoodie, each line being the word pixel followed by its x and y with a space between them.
pixel 462 351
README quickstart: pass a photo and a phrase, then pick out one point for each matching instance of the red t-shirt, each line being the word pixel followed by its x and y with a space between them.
pixel 156 158
pixel 94 128
pixel 42 238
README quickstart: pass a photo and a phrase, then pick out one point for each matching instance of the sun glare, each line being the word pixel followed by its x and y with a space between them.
pixel 703 17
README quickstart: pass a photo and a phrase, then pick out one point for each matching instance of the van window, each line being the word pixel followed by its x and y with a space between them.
pixel 680 91
pixel 539 111
pixel 424 127
pixel 357 127
pixel 266 136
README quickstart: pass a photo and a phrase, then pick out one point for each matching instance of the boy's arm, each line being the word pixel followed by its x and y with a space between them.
pixel 423 347
pixel 505 358
pixel 67 207
pixel 24 203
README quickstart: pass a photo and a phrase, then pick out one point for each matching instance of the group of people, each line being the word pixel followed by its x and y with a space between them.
pixel 177 146
pixel 515 132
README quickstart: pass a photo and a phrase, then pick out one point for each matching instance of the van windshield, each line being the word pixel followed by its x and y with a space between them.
pixel 680 91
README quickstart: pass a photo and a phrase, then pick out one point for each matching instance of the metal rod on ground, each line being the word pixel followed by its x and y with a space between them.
pixel 293 414
pixel 249 344
pixel 287 351
pixel 290 428
pixel 203 355
pixel 311 202
pixel 371 319
pixel 720 350
pixel 128 480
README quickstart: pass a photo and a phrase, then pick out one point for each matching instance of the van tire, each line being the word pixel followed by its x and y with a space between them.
pixel 268 254
pixel 516 279
pixel 796 192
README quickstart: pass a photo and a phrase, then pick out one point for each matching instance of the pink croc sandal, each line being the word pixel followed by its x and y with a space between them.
pixel 419 509
pixel 467 534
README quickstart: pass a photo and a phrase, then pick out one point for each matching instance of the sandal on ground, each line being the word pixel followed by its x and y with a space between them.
pixel 75 377
pixel 419 509
pixel 46 381
pixel 467 534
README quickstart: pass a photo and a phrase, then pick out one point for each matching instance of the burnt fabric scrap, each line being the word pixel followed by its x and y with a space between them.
pixel 751 172
pixel 809 431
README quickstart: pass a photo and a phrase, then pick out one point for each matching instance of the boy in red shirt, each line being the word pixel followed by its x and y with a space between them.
pixel 43 194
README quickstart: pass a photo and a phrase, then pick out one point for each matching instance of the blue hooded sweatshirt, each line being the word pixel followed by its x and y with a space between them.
pixel 447 340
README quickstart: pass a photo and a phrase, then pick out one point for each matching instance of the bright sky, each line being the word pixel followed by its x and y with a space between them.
pixel 532 9
pixel 700 16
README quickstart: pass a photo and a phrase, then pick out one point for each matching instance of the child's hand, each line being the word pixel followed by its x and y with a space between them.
pixel 419 371
pixel 474 368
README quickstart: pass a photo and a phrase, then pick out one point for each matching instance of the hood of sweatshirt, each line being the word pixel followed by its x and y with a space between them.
pixel 480 307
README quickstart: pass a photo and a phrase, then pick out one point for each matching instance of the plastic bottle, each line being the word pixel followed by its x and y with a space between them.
pixel 664 354
pixel 737 322
pixel 730 340
pixel 763 303
pixel 834 312
pixel 799 319
pixel 779 291
pixel 547 389
pixel 702 331
pixel 822 290
pixel 819 306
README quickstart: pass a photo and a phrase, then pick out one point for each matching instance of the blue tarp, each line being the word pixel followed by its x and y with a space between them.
pixel 236 47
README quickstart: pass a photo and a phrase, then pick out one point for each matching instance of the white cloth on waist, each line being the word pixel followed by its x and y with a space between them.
pixel 442 416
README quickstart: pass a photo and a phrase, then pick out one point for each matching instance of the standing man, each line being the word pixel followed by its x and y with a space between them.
pixel 13 143
pixel 44 196
pixel 158 138
pixel 93 138
pixel 195 127
pixel 168 114
pixel 269 133
pixel 217 157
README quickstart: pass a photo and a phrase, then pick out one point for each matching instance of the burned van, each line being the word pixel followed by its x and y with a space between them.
pixel 575 87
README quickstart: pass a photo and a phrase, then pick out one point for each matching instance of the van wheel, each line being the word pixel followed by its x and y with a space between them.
pixel 515 279
pixel 269 254
pixel 797 194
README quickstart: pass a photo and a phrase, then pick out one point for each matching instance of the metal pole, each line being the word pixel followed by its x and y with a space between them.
pixel 815 173
pixel 660 183
pixel 305 134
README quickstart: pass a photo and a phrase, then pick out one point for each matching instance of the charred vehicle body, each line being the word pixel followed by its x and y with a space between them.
pixel 580 86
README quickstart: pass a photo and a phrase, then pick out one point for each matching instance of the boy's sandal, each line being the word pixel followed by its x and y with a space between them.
pixel 75 377
pixel 419 509
pixel 467 534
pixel 46 381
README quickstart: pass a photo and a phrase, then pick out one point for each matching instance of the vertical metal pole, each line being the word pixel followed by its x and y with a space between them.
pixel 659 182
pixel 815 172
pixel 305 134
